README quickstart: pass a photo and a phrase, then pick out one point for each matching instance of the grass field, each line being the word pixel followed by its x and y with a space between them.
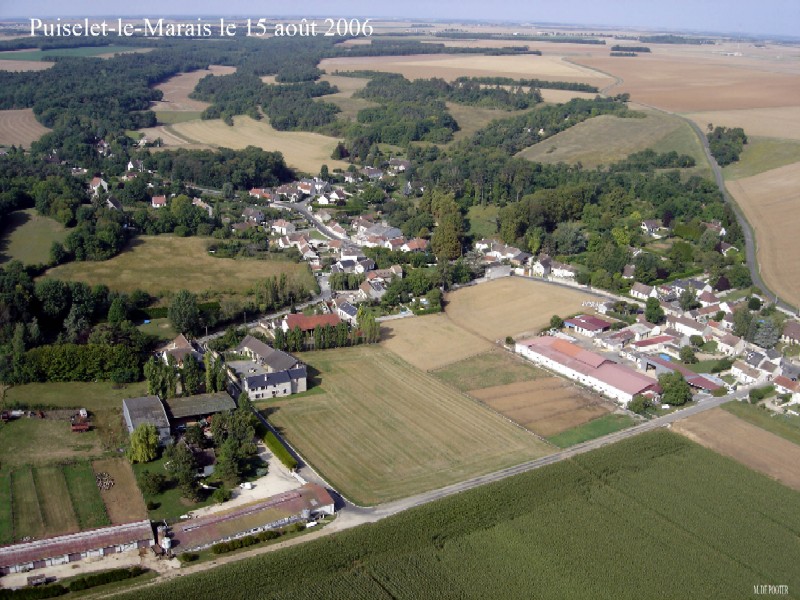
pixel 511 306
pixel 492 368
pixel 95 396
pixel 385 430
pixel 16 66
pixel 769 201
pixel 170 117
pixel 749 444
pixel 786 426
pixel 779 122
pixel 123 502
pixel 169 503
pixel 86 498
pixel 27 236
pixel 593 429
pixel 49 500
pixel 547 405
pixel 302 149
pixel 20 128
pixel 344 97
pixel 761 155
pixel 160 328
pixel 39 55
pixel 607 139
pixel 452 66
pixel 483 221
pixel 472 118
pixel 653 516
pixel 167 264
pixel 431 341
pixel 41 441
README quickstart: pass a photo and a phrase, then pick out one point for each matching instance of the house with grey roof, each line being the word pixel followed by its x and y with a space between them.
pixel 269 358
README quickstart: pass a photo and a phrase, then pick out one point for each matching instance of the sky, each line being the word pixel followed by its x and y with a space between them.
pixel 775 17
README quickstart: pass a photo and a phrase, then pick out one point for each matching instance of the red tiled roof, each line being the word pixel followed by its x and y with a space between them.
pixel 309 322
pixel 588 323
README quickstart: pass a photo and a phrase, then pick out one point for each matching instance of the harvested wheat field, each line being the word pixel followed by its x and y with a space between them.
pixel 301 149
pixel 779 122
pixel 430 342
pixel 177 89
pixel 771 202
pixel 692 84
pixel 20 127
pixel 347 86
pixel 750 445
pixel 452 66
pixel 607 139
pixel 546 405
pixel 124 502
pixel 384 430
pixel 561 96
pixel 24 65
pixel 512 306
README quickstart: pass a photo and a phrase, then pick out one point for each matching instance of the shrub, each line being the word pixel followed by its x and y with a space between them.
pixel 280 451
pixel 90 581
pixel 188 557
pixel 757 395
pixel 720 392
pixel 221 495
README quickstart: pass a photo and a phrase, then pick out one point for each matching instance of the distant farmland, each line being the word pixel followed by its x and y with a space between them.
pixel 168 264
pixel 384 430
pixel 656 516
pixel 20 127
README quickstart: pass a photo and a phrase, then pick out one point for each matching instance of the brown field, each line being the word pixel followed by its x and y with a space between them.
pixel 780 122
pixel 384 430
pixel 177 89
pixel 472 118
pixel 301 149
pixel 606 139
pixel 750 445
pixel 24 65
pixel 771 203
pixel 164 263
pixel 511 306
pixel 124 502
pixel 691 83
pixel 20 127
pixel 546 405
pixel 431 342
pixel 451 66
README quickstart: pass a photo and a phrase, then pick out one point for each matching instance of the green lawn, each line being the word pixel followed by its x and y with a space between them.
pixel 482 221
pixel 591 430
pixel 27 237
pixel 763 154
pixel 170 503
pixel 489 369
pixel 28 517
pixel 159 328
pixel 703 366
pixel 6 515
pixel 786 426
pixel 82 52
pixel 85 496
pixel 655 516
pixel 93 396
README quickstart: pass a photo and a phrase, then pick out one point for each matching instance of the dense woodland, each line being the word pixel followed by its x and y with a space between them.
pixel 726 144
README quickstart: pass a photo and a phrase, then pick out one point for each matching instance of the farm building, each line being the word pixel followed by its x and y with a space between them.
pixel 308 323
pixel 661 365
pixel 147 409
pixel 73 547
pixel 589 368
pixel 587 325
pixel 191 408
pixel 269 358
pixel 308 501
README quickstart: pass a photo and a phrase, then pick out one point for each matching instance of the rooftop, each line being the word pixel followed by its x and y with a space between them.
pixel 200 405
pixel 146 409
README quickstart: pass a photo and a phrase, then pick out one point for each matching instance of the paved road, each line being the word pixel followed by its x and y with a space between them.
pixel 300 207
